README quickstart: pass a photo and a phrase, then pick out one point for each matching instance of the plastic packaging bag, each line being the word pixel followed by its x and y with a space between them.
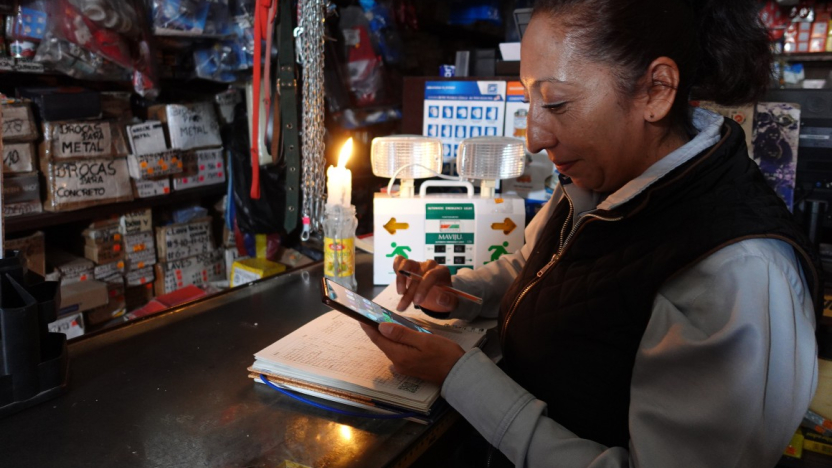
pixel 26 28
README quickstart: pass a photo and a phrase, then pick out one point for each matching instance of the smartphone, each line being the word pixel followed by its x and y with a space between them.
pixel 360 308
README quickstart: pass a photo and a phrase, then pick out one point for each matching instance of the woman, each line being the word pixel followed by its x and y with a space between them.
pixel 661 312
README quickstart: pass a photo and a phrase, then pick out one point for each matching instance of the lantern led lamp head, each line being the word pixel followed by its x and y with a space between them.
pixel 490 159
pixel 407 157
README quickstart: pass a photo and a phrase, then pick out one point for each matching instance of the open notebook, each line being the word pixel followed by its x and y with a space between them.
pixel 331 358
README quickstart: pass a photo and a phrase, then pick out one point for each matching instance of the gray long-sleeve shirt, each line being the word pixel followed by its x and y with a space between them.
pixel 725 370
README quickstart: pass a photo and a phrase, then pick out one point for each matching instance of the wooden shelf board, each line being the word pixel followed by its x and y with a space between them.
pixel 48 219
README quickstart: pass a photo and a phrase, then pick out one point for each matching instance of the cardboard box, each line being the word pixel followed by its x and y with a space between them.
pixel 107 234
pixel 11 210
pixel 139 242
pixel 138 296
pixel 198 270
pixel 64 102
pixel 117 307
pixel 147 138
pixel 18 158
pixel 136 221
pixel 140 277
pixel 252 269
pixel 83 295
pixel 18 122
pixel 21 188
pixel 108 270
pixel 140 259
pixel 71 269
pixel 210 170
pixel 178 241
pixel 73 185
pixel 104 253
pixel 116 105
pixel 231 255
pixel 815 442
pixel 150 188
pixel 189 126
pixel 155 165
pixel 32 250
pixel 71 325
pixel 795 447
pixel 84 139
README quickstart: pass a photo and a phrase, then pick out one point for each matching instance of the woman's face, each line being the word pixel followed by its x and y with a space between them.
pixel 593 135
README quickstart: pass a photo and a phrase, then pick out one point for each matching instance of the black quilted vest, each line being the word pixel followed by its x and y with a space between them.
pixel 570 337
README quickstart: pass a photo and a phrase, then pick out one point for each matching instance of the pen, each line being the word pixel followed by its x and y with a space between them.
pixel 449 289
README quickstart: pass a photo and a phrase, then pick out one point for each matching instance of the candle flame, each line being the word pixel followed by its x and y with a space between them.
pixel 346 152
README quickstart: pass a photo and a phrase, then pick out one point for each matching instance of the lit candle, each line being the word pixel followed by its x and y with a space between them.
pixel 339 179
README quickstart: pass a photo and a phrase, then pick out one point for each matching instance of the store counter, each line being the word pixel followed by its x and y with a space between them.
pixel 173 390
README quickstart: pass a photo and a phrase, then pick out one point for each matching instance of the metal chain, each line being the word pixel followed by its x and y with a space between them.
pixel 311 35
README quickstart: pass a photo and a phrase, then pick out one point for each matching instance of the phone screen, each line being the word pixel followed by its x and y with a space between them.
pixel 366 307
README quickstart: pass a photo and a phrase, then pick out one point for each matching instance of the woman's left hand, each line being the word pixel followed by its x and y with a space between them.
pixel 428 357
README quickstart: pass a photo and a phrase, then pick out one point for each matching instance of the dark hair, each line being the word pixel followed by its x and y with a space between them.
pixel 720 46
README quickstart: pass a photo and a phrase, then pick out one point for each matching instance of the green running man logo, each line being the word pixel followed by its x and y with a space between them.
pixel 499 251
pixel 400 250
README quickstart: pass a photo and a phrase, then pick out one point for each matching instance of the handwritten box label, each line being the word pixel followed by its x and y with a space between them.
pixel 82 139
pixel 18 157
pixel 18 123
pixel 74 184
pixel 178 241
pixel 192 126
pixel 147 138
pixel 197 270
pixel 151 188
pixel 21 188
pixel 136 221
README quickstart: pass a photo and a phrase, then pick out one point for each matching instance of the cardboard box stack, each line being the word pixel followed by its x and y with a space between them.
pixel 140 251
pixel 84 163
pixel 21 187
pixel 79 291
pixel 187 256
pixel 32 249
pixel 103 244
pixel 193 130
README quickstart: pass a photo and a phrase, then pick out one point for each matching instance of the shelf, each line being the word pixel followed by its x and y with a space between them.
pixel 815 57
pixel 47 219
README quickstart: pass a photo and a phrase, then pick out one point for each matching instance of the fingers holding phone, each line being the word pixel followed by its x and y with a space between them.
pixel 423 292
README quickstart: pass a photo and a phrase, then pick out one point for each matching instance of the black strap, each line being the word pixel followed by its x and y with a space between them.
pixel 288 88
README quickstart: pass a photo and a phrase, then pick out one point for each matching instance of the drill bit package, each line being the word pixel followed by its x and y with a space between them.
pixel 82 139
pixel 76 184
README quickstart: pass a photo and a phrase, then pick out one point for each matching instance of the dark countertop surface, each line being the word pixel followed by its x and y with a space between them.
pixel 172 391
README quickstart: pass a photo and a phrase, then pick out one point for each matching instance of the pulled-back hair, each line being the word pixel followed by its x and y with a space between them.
pixel 720 46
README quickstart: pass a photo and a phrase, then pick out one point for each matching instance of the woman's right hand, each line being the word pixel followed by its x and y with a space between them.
pixel 422 292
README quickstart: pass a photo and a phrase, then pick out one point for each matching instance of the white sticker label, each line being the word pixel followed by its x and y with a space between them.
pixel 210 170
pixel 17 157
pixel 152 188
pixel 28 66
pixel 193 127
pixel 17 122
pixel 82 139
pixel 186 240
pixel 139 242
pixel 147 138
pixel 136 221
pixel 140 277
pixel 92 180
pixel 198 270
pixel 20 209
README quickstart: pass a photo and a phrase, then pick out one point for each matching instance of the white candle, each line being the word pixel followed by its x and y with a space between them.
pixel 339 179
